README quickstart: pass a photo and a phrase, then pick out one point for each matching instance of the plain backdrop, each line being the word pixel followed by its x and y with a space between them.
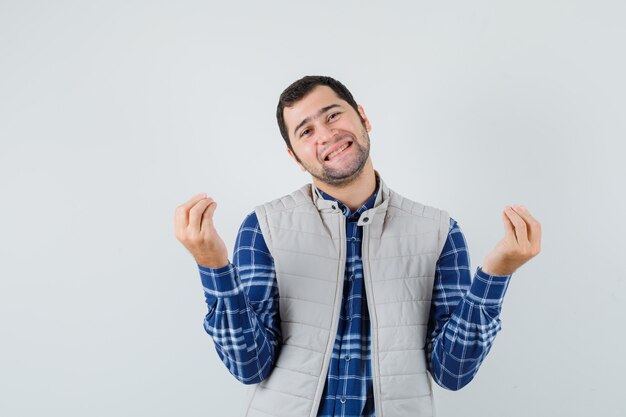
pixel 113 113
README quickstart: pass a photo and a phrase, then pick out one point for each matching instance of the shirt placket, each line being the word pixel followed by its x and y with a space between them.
pixel 353 250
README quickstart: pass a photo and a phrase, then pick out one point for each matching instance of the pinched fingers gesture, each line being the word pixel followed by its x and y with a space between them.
pixel 194 228
pixel 521 242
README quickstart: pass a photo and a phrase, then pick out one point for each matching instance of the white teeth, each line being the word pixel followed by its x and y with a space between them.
pixel 332 155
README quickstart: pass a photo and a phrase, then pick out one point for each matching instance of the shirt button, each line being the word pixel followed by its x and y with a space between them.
pixel 349 318
pixel 347 358
pixel 333 207
pixel 342 400
pixel 366 219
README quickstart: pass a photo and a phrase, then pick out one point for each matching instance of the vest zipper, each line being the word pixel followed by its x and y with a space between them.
pixel 369 293
pixel 336 313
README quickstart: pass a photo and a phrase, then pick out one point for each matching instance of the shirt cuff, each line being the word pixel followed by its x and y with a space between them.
pixel 220 282
pixel 489 289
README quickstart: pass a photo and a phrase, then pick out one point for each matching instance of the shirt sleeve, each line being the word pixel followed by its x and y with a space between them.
pixel 464 318
pixel 242 301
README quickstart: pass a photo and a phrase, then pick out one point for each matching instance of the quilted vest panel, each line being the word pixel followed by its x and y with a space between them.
pixel 402 241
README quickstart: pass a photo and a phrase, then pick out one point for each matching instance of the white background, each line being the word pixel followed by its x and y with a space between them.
pixel 113 113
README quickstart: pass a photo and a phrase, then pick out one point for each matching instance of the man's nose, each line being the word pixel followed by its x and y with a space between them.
pixel 326 134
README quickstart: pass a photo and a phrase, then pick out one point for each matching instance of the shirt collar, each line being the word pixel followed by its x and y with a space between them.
pixel 346 210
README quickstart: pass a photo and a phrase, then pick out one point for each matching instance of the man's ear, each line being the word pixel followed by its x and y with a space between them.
pixel 293 155
pixel 366 121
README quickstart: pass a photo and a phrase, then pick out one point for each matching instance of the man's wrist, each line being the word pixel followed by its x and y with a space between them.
pixel 212 263
pixel 495 270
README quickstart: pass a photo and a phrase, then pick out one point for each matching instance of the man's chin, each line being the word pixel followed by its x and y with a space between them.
pixel 340 179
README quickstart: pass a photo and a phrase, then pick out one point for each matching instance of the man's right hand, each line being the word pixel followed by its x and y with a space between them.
pixel 193 226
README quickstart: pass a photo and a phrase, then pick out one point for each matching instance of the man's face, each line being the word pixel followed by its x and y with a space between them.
pixel 328 138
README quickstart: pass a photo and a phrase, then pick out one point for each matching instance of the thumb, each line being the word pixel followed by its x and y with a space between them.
pixel 509 229
pixel 210 210
pixel 207 216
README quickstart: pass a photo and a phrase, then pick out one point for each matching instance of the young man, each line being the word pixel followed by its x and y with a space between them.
pixel 343 294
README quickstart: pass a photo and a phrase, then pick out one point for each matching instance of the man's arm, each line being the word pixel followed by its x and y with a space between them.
pixel 464 318
pixel 242 297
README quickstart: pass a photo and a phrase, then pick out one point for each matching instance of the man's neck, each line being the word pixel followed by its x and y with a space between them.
pixel 356 193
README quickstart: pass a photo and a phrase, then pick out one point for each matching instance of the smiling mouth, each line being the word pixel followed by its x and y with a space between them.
pixel 339 151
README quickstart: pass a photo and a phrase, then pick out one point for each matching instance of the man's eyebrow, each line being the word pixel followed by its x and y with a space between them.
pixel 319 113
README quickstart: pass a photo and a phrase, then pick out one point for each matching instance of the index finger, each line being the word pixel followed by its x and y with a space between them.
pixel 182 211
pixel 519 226
pixel 193 200
pixel 534 227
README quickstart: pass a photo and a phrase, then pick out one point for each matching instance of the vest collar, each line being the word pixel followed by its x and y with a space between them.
pixel 380 204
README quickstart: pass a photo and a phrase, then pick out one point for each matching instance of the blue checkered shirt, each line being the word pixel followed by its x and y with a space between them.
pixel 244 322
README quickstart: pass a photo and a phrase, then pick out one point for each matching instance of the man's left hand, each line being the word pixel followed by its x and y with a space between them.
pixel 521 242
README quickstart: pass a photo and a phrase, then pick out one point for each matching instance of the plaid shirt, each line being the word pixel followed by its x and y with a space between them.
pixel 244 322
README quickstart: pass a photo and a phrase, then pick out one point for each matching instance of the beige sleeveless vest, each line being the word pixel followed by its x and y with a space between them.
pixel 306 235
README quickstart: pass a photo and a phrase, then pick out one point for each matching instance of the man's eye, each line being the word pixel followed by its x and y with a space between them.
pixel 333 116
pixel 305 132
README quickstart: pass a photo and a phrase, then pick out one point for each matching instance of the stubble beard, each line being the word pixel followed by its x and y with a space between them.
pixel 346 174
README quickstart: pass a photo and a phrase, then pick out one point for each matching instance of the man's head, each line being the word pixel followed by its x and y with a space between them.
pixel 300 88
pixel 326 132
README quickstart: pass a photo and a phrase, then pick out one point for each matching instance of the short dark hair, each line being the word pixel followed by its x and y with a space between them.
pixel 300 88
